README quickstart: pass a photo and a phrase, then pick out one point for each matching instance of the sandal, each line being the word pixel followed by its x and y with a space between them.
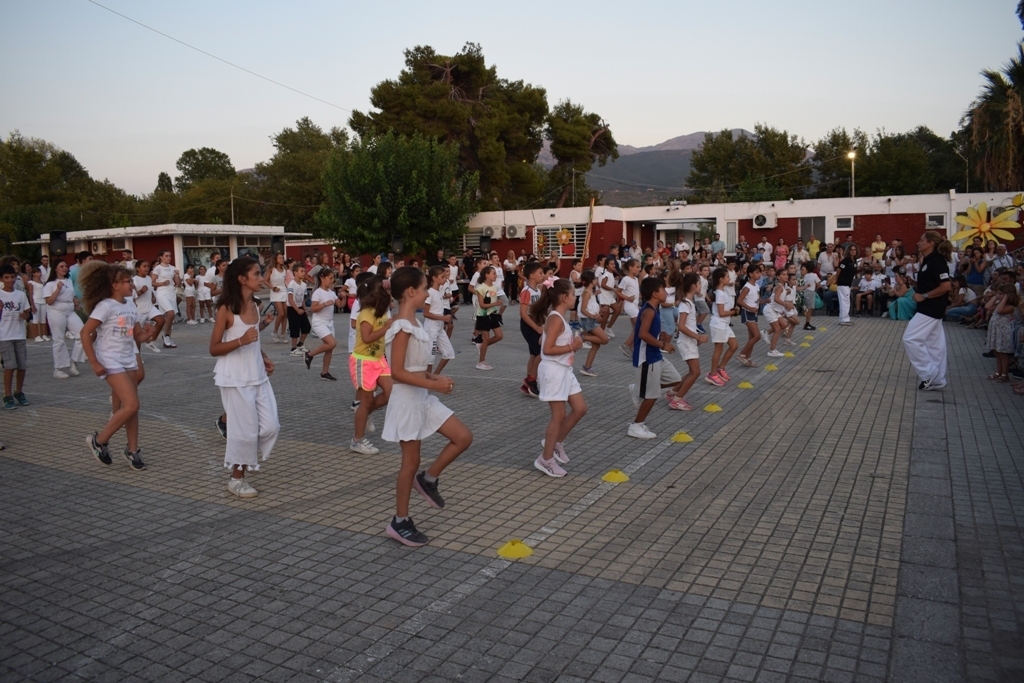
pixel 999 378
pixel 1018 388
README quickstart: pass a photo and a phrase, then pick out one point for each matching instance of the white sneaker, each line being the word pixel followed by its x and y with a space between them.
pixel 775 353
pixel 152 347
pixel 484 366
pixel 634 395
pixel 587 345
pixel 169 343
pixel 611 335
pixel 560 454
pixel 364 446
pixel 73 369
pixel 370 425
pixel 549 467
pixel 192 322
pixel 788 342
pixel 626 351
pixel 39 340
pixel 68 335
pixel 47 337
pixel 766 338
pixel 241 488
pixel 60 374
pixel 202 320
pixel 639 430
pixel 297 351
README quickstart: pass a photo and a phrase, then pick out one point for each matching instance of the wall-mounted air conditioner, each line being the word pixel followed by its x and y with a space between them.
pixel 765 221
pixel 515 232
pixel 98 247
pixel 493 231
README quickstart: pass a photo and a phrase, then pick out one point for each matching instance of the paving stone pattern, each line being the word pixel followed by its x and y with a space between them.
pixel 829 524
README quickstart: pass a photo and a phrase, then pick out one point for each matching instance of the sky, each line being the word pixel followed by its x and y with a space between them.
pixel 127 102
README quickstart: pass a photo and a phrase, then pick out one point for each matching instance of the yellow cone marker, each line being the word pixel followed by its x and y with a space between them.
pixel 712 408
pixel 789 354
pixel 682 437
pixel 515 550
pixel 822 329
pixel 771 367
pixel 745 385
pixel 809 337
pixel 615 477
pixel 805 345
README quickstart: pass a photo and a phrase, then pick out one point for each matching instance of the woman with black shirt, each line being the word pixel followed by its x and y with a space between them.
pixel 845 273
pixel 924 338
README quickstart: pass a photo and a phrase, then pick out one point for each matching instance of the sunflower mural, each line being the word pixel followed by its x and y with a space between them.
pixel 977 224
pixel 565 242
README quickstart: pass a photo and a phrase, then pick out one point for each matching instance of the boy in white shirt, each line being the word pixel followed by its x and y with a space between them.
pixel 866 292
pixel 15 309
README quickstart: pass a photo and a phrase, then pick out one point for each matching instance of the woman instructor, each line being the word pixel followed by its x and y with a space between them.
pixel 924 338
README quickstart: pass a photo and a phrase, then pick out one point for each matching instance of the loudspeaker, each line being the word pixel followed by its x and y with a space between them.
pixel 397 246
pixel 277 244
pixel 58 243
pixel 485 245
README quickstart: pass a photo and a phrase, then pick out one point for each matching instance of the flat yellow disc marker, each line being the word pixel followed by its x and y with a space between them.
pixel 771 367
pixel 712 408
pixel 745 385
pixel 805 345
pixel 809 337
pixel 615 477
pixel 789 354
pixel 515 550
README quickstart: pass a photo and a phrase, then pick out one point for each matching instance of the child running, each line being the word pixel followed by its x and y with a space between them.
pixel 165 285
pixel 688 339
pixel 775 314
pixel 590 321
pixel 532 330
pixel 298 320
pixel 629 295
pixel 15 309
pixel 652 371
pixel 558 384
pixel 488 322
pixel 243 373
pixel 367 365
pixel 108 340
pixel 436 317
pixel 322 308
pixel 749 302
pixel 721 334
pixel 412 413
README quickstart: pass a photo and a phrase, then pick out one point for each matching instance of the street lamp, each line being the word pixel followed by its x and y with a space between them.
pixel 853 183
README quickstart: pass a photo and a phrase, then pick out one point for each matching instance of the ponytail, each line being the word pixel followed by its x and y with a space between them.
pixel 941 244
pixel 549 298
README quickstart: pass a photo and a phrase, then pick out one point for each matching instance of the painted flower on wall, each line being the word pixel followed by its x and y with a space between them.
pixel 977 224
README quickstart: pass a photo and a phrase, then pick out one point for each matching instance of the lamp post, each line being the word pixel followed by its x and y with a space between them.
pixel 852 156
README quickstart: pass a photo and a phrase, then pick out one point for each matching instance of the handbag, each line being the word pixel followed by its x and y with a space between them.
pixel 818 303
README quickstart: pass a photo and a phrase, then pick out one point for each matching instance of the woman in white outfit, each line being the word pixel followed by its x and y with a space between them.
pixel 60 314
pixel 165 285
pixel 274 280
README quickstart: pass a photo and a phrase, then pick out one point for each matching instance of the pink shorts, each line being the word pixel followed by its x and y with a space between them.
pixel 366 372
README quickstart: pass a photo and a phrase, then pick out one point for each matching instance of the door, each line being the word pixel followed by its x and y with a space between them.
pixel 812 226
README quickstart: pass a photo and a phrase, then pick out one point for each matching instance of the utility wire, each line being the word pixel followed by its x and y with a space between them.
pixel 219 59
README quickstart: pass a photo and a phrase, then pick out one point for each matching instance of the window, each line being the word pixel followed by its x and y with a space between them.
pixel 204 241
pixel 935 221
pixel 730 236
pixel 545 240
pixel 844 222
pixel 471 240
pixel 256 241
pixel 120 245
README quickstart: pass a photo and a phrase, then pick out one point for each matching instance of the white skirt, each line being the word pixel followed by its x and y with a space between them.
pixel 412 414
pixel 557 382
pixel 166 299
pixel 281 296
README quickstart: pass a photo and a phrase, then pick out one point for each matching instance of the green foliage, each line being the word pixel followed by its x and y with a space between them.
pixel 831 164
pixel 579 139
pixel 769 164
pixel 894 164
pixel 202 164
pixel 163 183
pixel 995 122
pixel 391 184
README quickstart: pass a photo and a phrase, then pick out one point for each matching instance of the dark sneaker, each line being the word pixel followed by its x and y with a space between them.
pixel 326 376
pixel 99 450
pixel 406 533
pixel 9 403
pixel 808 326
pixel 355 405
pixel 987 354
pixel 222 427
pixel 534 388
pixel 20 398
pixel 428 490
pixel 308 358
pixel 135 459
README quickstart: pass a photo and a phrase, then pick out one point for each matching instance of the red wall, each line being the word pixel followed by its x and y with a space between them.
pixel 787 228
pixel 602 236
pixel 147 247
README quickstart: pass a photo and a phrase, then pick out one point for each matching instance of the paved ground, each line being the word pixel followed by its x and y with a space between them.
pixel 829 524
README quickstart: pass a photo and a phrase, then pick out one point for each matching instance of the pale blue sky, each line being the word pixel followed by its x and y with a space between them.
pixel 126 102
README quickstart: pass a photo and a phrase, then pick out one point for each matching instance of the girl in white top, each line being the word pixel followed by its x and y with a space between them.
pixel 629 294
pixel 204 295
pixel 811 282
pixel 721 334
pixel 243 375
pixel 789 312
pixel 322 304
pixel 606 295
pixel 142 284
pixel 435 318
pixel 274 280
pixel 558 384
pixel 351 288
pixel 189 284
pixel 60 315
pixel 701 300
pixel 215 280
pixel 38 300
pixel 575 277
pixel 687 341
pixel 749 303
pixel 590 322
pixel 165 284
pixel 108 340
pixel 412 413
pixel 298 320
pixel 775 313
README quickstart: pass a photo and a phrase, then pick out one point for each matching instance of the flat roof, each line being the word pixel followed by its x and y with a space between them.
pixel 172 229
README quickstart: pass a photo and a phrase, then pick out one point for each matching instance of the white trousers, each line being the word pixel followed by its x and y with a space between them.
pixel 252 424
pixel 925 342
pixel 61 321
pixel 440 344
pixel 844 304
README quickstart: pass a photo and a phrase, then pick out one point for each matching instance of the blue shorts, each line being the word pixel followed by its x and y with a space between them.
pixel 587 324
pixel 747 317
pixel 669 319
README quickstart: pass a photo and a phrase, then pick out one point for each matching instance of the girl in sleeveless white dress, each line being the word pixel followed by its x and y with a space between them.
pixel 413 414
pixel 243 375
pixel 275 282
pixel 558 384
pixel 165 286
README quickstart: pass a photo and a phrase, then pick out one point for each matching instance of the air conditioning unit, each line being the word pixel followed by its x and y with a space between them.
pixel 996 210
pixel 98 247
pixel 515 232
pixel 765 221
pixel 493 231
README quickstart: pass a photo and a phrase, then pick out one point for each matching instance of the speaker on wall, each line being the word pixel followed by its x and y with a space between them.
pixel 485 245
pixel 277 244
pixel 58 243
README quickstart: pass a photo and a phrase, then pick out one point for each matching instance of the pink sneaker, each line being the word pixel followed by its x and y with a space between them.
pixel 714 379
pixel 679 404
pixel 560 454
pixel 723 375
pixel 548 467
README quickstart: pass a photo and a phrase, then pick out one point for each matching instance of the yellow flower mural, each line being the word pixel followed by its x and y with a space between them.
pixel 976 223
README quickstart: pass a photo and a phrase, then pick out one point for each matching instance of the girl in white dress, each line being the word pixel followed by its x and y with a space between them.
pixel 59 295
pixel 189 286
pixel 243 374
pixel 165 286
pixel 204 296
pixel 558 384
pixel 274 280
pixel 412 413
pixel 108 339
pixel 142 284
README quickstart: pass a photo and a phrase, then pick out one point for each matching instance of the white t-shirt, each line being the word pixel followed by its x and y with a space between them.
pixel 731 274
pixel 825 264
pixel 164 273
pixel 356 307
pixel 630 286
pixel 189 284
pixel 703 292
pixel 436 303
pixel 66 296
pixel 298 291
pixel 144 301
pixel 867 285
pixel 670 296
pixel 372 269
pixel 969 295
pixel 726 299
pixel 37 293
pixel 12 325
pixel 750 296
pixel 686 306
pixel 681 247
pixel 811 282
pixel 453 275
pixel 768 249
pixel 351 287
pixel 115 337
pixel 325 314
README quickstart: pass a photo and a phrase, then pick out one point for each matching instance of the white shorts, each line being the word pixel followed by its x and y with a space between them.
pixel 166 299
pixel 605 299
pixel 630 309
pixel 557 382
pixel 279 297
pixel 721 335
pixel 651 376
pixel 771 314
pixel 190 292
pixel 687 347
pixel 323 330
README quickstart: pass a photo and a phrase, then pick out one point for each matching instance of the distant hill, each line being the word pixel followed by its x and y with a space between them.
pixel 683 142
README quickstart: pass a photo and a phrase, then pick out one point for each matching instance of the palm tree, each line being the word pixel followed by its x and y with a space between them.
pixel 995 122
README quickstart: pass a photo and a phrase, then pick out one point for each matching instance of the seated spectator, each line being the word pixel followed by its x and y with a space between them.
pixel 865 298
pixel 963 301
pixel 903 306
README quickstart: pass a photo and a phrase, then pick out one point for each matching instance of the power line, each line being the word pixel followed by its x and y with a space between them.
pixel 219 59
